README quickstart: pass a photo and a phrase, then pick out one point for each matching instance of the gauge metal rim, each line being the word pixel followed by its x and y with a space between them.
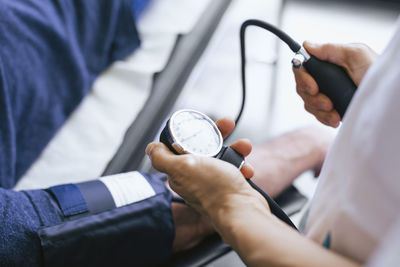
pixel 176 144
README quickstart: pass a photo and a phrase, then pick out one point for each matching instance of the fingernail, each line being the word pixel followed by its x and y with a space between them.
pixel 333 122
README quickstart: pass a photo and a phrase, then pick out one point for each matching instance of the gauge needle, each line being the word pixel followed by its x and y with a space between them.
pixel 191 136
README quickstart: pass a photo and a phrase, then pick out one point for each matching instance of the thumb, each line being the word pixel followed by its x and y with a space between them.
pixel 161 157
pixel 334 53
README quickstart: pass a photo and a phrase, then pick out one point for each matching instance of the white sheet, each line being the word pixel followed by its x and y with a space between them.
pixel 173 16
pixel 91 136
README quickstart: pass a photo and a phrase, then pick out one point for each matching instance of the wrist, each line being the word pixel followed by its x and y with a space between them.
pixel 232 209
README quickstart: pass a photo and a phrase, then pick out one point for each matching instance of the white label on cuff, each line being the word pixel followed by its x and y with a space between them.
pixel 127 188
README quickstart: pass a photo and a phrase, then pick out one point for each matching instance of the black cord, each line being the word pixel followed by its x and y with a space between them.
pixel 295 47
pixel 273 206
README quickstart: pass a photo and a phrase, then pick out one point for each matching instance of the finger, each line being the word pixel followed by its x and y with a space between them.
pixel 330 118
pixel 335 53
pixel 318 102
pixel 305 82
pixel 161 157
pixel 226 126
pixel 242 146
pixel 247 170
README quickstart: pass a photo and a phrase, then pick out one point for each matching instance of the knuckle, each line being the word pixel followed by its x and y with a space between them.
pixel 307 107
pixel 354 51
pixel 298 90
pixel 308 99
pixel 310 110
pixel 319 102
pixel 303 97
pixel 311 99
pixel 327 47
pixel 155 155
pixel 358 47
pixel 301 89
pixel 187 162
pixel 321 120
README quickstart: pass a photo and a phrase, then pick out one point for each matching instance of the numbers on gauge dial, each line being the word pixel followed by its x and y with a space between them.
pixel 195 133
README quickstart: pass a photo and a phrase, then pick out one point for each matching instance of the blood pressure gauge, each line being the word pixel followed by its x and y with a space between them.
pixel 192 132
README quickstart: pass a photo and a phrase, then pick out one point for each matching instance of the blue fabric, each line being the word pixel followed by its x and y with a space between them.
pixel 69 198
pixel 22 214
pixel 139 6
pixel 156 180
pixel 50 53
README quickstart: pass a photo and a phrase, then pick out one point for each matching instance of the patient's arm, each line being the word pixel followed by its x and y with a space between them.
pixel 90 223
pixel 190 227
pixel 51 53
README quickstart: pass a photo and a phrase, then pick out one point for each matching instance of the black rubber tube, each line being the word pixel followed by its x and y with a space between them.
pixel 229 155
pixel 294 46
pixel 273 206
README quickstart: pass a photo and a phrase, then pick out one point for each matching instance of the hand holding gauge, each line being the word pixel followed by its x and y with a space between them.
pixel 192 132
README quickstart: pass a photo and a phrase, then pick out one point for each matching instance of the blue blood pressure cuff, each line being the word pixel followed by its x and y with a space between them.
pixel 117 220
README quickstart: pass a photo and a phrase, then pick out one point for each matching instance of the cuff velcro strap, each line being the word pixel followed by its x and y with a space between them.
pixel 69 199
pixel 98 197
pixel 104 194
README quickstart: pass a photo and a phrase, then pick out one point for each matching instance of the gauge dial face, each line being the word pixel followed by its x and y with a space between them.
pixel 195 132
